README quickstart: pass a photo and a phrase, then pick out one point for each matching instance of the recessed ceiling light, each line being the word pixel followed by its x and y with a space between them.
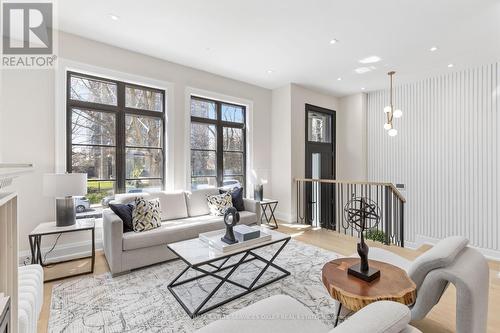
pixel 363 70
pixel 450 65
pixel 270 71
pixel 370 60
pixel 114 17
pixel 339 79
pixel 334 41
pixel 434 48
pixel 362 88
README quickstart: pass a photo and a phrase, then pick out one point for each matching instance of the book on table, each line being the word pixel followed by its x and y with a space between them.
pixel 213 239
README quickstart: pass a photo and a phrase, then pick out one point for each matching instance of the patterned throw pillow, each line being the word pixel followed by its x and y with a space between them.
pixel 146 214
pixel 219 203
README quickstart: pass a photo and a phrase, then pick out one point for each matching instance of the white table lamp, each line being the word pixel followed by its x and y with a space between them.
pixel 63 186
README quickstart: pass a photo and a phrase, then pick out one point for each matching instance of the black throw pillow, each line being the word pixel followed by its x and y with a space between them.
pixel 125 213
pixel 237 198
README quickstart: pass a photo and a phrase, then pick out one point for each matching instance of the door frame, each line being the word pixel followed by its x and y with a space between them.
pixel 331 216
pixel 332 113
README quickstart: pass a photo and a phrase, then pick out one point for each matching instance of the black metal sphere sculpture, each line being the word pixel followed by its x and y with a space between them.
pixel 362 214
pixel 231 218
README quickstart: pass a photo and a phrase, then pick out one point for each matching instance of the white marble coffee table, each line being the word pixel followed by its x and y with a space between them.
pixel 202 258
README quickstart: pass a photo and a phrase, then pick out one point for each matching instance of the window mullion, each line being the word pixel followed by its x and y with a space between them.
pixel 220 146
pixel 120 140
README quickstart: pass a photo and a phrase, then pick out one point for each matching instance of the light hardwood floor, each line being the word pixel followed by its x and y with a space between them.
pixel 440 320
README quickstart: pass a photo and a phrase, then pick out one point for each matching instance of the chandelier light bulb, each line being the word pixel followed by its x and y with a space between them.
pixel 398 113
pixel 387 126
pixel 387 109
pixel 392 132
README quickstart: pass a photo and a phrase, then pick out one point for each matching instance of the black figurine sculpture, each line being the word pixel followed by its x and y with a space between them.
pixel 362 214
pixel 231 218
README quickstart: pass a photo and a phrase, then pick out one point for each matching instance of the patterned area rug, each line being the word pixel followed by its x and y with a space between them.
pixel 140 301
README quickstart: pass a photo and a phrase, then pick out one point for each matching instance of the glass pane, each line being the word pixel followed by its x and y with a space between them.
pixel 233 139
pixel 94 91
pixel 100 193
pixel 139 98
pixel 233 113
pixel 143 185
pixel 203 108
pixel 93 127
pixel 96 162
pixel 203 182
pixel 203 136
pixel 319 127
pixel 203 163
pixel 233 163
pixel 232 182
pixel 144 163
pixel 143 131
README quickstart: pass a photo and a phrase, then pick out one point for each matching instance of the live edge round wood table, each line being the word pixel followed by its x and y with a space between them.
pixel 353 293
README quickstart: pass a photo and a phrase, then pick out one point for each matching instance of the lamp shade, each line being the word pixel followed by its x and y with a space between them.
pixel 64 184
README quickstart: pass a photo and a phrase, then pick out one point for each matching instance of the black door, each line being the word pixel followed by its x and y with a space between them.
pixel 320 164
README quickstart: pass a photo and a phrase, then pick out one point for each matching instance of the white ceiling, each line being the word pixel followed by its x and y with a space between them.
pixel 245 39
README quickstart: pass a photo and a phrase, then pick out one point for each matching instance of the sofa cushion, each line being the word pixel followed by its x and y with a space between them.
pixel 125 198
pixel 177 230
pixel 246 218
pixel 278 313
pixel 377 317
pixel 441 255
pixel 172 205
pixel 197 201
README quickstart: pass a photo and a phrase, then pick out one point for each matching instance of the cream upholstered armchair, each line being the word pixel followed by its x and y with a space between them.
pixel 449 261
pixel 284 314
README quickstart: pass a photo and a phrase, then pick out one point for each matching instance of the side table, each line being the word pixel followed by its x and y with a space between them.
pixel 49 228
pixel 393 285
pixel 268 207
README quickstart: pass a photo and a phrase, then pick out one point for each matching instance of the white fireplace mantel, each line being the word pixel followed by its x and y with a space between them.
pixel 9 237
pixel 9 171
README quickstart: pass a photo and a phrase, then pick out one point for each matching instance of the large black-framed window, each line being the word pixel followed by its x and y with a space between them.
pixel 218 143
pixel 115 134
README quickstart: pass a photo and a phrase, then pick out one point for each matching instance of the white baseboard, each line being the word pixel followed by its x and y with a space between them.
pixel 288 218
pixel 426 240
pixel 64 251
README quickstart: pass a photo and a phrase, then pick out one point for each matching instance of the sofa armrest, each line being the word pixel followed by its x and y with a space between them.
pixel 112 240
pixel 378 317
pixel 253 206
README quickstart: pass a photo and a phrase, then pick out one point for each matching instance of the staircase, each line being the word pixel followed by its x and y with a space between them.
pixel 321 202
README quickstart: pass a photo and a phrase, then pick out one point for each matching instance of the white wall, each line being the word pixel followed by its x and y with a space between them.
pixel 447 153
pixel 27 135
pixel 2 99
pixel 288 123
pixel 281 151
pixel 352 138
pixel 28 121
pixel 300 97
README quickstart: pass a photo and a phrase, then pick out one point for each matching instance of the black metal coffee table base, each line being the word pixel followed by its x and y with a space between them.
pixel 248 256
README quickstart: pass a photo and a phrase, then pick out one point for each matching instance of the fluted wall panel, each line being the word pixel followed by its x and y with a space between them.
pixel 447 153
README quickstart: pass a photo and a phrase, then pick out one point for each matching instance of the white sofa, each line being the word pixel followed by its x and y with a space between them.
pixel 283 314
pixel 184 216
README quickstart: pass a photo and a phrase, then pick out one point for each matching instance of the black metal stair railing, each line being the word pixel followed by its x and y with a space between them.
pixel 320 202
